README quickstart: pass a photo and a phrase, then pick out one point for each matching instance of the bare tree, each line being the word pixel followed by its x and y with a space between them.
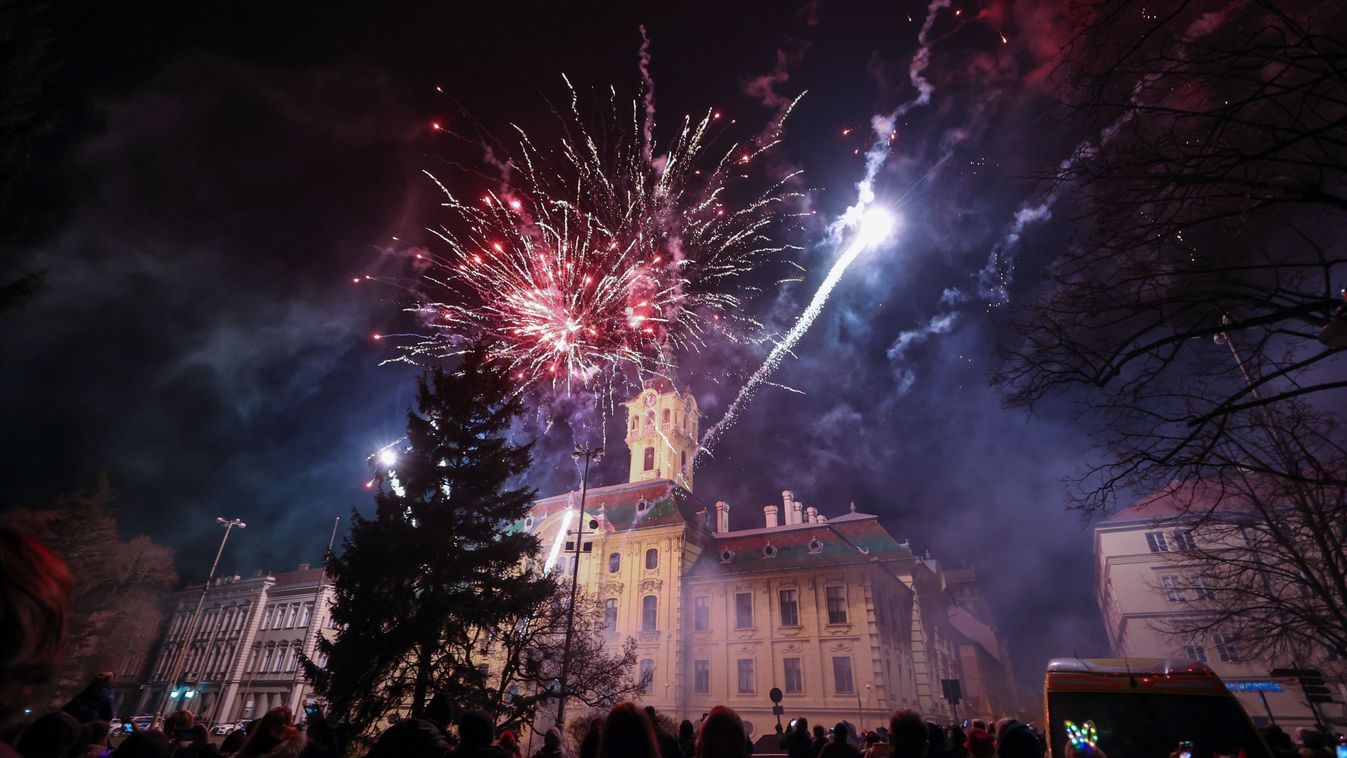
pixel 514 669
pixel 1212 201
pixel 1262 560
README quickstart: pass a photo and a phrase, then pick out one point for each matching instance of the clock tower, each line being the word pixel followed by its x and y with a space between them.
pixel 662 433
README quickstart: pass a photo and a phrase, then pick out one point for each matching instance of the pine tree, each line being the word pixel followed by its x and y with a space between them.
pixel 438 559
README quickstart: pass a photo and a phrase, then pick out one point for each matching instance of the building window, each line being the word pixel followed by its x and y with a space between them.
pixel 666 415
pixel 647 676
pixel 614 563
pixel 743 610
pixel 649 612
pixel 266 658
pixel 683 459
pixel 652 559
pixel 701 613
pixel 610 613
pixel 745 675
pixel 1183 541
pixel 790 608
pixel 1196 652
pixel 842 682
pixel 1156 542
pixel 1173 589
pixel 290 617
pixel 794 676
pixel 633 422
pixel 837 604
pixel 1202 589
pixel 304 612
pixel 278 619
pixel 266 616
pixel 650 418
pixel 701 677
pixel 649 459
pixel 1225 649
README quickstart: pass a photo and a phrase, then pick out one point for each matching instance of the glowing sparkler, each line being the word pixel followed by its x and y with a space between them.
pixel 599 262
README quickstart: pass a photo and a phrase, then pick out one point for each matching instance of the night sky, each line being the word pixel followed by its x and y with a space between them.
pixel 213 181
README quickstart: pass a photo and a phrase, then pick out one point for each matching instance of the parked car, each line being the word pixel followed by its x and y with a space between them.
pixel 142 722
pixel 225 727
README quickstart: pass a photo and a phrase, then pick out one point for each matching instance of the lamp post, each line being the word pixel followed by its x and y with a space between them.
pixel 180 658
pixel 589 454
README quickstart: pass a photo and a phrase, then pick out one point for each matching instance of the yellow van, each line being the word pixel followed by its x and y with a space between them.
pixel 1147 708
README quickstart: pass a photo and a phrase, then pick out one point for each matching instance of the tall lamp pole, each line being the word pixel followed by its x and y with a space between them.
pixel 589 454
pixel 180 658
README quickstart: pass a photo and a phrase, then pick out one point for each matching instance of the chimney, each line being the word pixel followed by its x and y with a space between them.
pixel 788 502
pixel 769 514
pixel 303 567
pixel 811 515
pixel 722 516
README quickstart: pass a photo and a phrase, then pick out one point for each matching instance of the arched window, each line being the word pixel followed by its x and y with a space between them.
pixel 649 459
pixel 266 658
pixel 650 418
pixel 652 558
pixel 278 662
pixel 649 613
pixel 682 459
pixel 610 614
pixel 634 421
pixel 614 562
pixel 667 413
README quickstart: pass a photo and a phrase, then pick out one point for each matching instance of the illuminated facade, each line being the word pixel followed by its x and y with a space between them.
pixel 835 612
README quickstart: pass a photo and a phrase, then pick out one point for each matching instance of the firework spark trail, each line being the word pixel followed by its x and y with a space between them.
pixel 871 231
pixel 648 87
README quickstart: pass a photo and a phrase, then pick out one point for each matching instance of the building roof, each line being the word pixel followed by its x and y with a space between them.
pixel 1174 500
pixel 665 504
pixel 858 538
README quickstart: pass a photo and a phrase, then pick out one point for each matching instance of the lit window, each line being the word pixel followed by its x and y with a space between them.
pixel 1225 649
pixel 649 613
pixel 614 562
pixel 647 676
pixel 652 558
pixel 837 605
pixel 794 676
pixel 649 459
pixel 1173 589
pixel 743 610
pixel 701 613
pixel 842 682
pixel 610 613
pixel 790 608
pixel 1157 542
pixel 745 675
pixel 701 677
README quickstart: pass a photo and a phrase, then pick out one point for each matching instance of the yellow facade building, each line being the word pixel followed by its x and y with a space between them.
pixel 844 619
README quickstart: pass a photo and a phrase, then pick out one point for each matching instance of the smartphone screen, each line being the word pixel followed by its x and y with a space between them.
pixel 310 710
pixel 1342 751
pixel 128 727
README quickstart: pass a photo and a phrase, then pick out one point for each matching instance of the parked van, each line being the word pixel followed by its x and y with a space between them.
pixel 1147 708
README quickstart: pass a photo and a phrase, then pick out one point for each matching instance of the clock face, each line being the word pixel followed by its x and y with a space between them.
pixel 650 401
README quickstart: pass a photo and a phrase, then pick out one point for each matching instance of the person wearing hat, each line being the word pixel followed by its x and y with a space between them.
pixel 980 744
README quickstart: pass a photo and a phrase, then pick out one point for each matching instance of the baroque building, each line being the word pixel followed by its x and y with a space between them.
pixel 843 618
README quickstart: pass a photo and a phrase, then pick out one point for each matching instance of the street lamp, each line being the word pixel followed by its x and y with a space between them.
pixel 179 658
pixel 589 454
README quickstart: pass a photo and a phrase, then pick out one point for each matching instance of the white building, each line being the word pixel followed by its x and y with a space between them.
pixel 1143 585
pixel 243 658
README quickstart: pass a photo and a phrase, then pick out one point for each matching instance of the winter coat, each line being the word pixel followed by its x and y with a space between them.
pixel 839 750
pixel 290 747
pixel 95 703
pixel 798 744
pixel 412 738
